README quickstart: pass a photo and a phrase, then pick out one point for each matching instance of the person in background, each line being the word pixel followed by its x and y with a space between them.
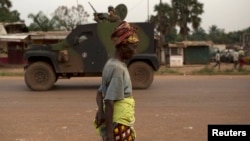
pixel 217 60
pixel 241 59
pixel 112 17
pixel 115 116
pixel 235 59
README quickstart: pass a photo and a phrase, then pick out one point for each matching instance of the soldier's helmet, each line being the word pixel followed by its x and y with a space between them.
pixel 111 8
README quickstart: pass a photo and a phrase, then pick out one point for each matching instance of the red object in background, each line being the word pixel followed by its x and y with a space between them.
pixel 241 62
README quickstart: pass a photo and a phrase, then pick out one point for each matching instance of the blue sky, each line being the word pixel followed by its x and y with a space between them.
pixel 231 15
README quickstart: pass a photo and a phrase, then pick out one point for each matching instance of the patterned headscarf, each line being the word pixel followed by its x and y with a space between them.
pixel 124 33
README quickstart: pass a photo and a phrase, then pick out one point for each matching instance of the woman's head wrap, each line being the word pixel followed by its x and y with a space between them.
pixel 124 33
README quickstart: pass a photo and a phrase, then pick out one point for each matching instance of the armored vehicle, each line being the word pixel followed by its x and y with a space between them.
pixel 84 53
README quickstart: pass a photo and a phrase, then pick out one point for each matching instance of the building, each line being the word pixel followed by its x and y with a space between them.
pixel 197 52
pixel 176 54
pixel 189 53
pixel 14 40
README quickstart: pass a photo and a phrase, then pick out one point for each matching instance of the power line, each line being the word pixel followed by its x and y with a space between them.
pixel 139 3
pixel 136 5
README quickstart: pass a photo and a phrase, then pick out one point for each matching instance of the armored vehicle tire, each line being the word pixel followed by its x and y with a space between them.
pixel 39 76
pixel 141 75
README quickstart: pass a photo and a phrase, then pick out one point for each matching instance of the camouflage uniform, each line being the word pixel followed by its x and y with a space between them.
pixel 112 17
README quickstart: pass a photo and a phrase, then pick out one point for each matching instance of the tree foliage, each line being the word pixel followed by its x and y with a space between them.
pixel 6 15
pixel 217 35
pixel 179 13
pixel 163 20
pixel 69 18
pixel 5 4
pixel 63 18
pixel 187 12
pixel 199 35
pixel 183 13
pixel 41 22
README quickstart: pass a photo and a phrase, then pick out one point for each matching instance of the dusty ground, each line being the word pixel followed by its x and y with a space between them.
pixel 174 108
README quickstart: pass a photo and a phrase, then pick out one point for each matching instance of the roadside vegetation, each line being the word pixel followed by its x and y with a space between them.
pixel 206 70
pixel 209 71
pixel 4 73
pixel 11 70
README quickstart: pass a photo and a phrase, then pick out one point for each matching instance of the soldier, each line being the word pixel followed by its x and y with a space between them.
pixel 112 17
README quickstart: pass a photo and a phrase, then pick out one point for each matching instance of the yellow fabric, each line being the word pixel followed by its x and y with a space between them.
pixel 123 113
pixel 133 38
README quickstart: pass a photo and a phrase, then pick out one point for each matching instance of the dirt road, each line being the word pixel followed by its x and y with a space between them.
pixel 176 108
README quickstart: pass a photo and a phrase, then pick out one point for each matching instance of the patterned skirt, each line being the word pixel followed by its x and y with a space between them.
pixel 123 133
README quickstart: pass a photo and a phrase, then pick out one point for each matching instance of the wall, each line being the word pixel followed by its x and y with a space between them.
pixel 197 55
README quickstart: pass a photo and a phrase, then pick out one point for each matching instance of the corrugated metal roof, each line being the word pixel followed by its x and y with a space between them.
pixel 57 35
pixel 49 35
pixel 12 23
pixel 177 45
pixel 13 37
pixel 185 44
pixel 197 43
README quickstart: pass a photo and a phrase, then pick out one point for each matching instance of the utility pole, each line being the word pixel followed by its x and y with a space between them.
pixel 162 36
pixel 78 11
pixel 148 10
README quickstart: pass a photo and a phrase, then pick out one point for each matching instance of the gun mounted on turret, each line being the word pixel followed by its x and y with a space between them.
pixel 99 16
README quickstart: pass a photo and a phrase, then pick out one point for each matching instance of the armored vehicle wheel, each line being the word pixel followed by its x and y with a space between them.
pixel 141 75
pixel 39 76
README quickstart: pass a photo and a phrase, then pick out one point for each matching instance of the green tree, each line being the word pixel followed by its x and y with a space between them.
pixel 217 35
pixel 173 36
pixel 69 18
pixel 247 30
pixel 41 22
pixel 5 4
pixel 235 37
pixel 15 16
pixel 199 35
pixel 163 21
pixel 6 15
pixel 187 12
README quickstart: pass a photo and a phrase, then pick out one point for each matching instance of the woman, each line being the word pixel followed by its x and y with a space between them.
pixel 115 115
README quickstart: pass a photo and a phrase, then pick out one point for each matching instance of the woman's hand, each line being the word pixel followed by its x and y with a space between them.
pixel 99 118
